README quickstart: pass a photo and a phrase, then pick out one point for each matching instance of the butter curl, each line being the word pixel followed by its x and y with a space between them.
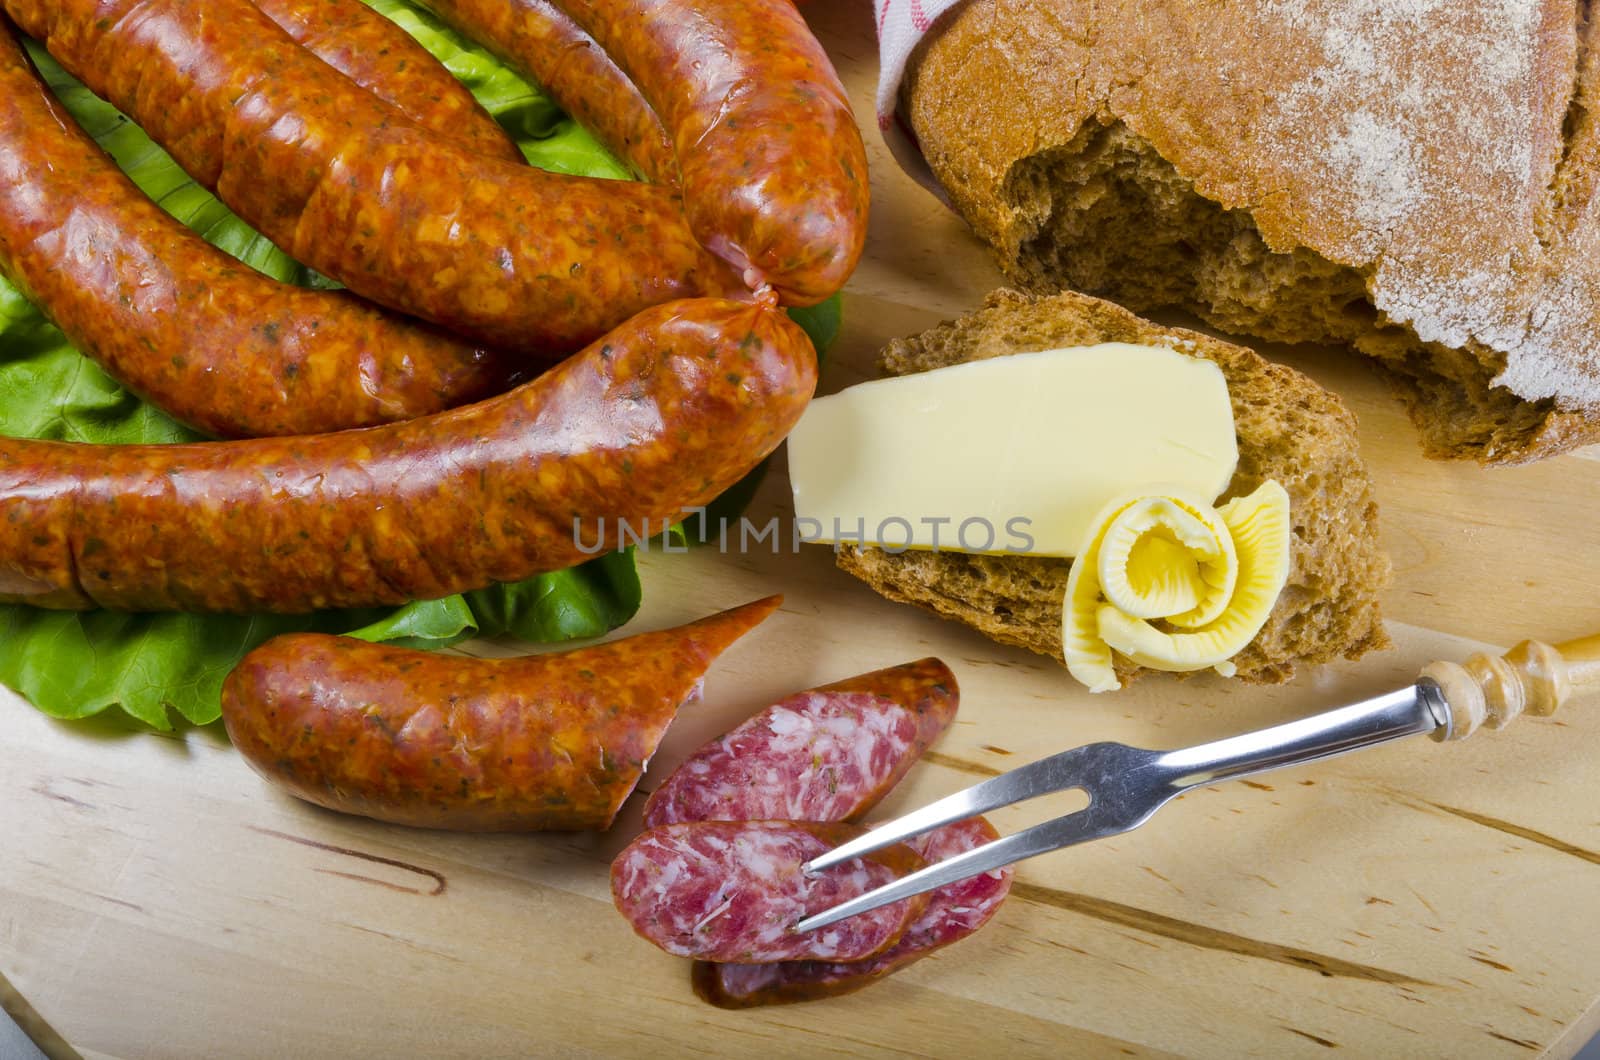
pixel 1174 584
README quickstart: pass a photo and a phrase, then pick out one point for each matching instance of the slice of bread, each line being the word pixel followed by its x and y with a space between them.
pixel 1289 429
pixel 1417 180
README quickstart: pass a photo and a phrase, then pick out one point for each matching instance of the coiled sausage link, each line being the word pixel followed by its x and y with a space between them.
pixel 519 258
pixel 774 170
pixel 666 411
pixel 208 340
pixel 542 42
pixel 384 59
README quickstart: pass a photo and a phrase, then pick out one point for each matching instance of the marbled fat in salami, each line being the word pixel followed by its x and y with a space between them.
pixel 953 913
pixel 830 754
pixel 733 891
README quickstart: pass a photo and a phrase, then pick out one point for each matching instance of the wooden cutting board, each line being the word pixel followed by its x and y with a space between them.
pixel 156 899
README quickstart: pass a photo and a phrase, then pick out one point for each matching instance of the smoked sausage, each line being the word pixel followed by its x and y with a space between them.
pixel 544 742
pixel 774 171
pixel 830 754
pixel 206 339
pixel 733 891
pixel 954 911
pixel 521 259
pixel 665 412
pixel 385 60
pixel 541 41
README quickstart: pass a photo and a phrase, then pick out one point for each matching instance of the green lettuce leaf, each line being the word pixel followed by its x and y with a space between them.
pixel 548 138
pixel 582 601
pixel 821 322
pixel 73 665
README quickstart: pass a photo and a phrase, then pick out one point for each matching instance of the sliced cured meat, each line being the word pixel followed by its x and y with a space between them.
pixel 953 913
pixel 733 891
pixel 959 909
pixel 829 754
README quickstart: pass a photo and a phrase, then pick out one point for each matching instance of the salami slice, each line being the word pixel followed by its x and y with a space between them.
pixel 733 891
pixel 953 913
pixel 829 754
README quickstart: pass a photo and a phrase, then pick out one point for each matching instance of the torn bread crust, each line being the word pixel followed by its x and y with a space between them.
pixel 1416 179
pixel 1289 429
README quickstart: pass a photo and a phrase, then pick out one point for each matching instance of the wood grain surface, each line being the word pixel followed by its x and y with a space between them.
pixel 158 900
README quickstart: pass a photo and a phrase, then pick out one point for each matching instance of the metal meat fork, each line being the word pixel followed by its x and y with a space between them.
pixel 1127 785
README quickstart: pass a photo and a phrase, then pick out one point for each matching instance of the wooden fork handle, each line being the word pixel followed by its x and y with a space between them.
pixel 1531 678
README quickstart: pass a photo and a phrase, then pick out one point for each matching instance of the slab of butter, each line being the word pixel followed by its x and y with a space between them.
pixel 1010 454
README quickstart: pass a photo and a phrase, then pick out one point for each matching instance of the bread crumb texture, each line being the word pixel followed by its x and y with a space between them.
pixel 1289 429
pixel 1414 178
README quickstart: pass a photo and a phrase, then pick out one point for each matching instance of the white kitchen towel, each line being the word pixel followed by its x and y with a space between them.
pixel 901 24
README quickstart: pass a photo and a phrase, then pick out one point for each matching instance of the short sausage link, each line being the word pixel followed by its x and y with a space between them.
pixel 509 255
pixel 663 413
pixel 206 339
pixel 542 42
pixel 546 742
pixel 384 59
pixel 774 170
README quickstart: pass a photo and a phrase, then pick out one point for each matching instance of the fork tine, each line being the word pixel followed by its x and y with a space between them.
pixel 1079 827
pixel 1126 785
pixel 1055 773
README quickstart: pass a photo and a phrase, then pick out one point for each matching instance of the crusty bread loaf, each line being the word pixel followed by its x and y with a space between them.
pixel 1415 179
pixel 1289 429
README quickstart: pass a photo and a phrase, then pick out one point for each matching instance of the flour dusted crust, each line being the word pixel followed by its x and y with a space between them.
pixel 1414 177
